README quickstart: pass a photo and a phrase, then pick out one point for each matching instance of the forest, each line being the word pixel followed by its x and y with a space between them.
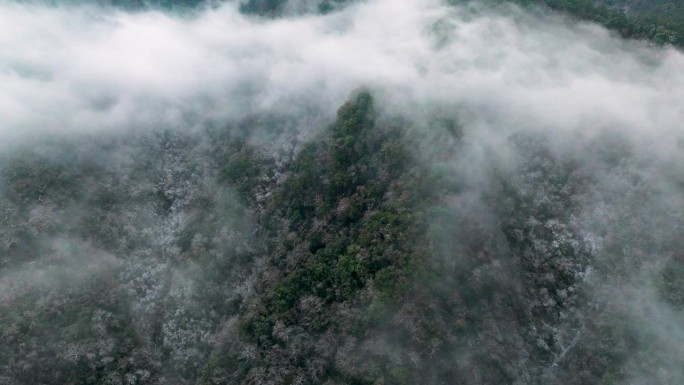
pixel 332 192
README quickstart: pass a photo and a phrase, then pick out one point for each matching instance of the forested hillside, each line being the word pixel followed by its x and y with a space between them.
pixel 659 21
pixel 366 193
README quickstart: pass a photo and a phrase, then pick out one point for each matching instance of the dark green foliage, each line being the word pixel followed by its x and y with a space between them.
pixel 347 205
pixel 671 285
pixel 246 171
pixel 263 7
pixel 34 177
pixel 369 257
pixel 663 25
pixel 275 8
pixel 134 5
pixel 374 277
pixel 659 28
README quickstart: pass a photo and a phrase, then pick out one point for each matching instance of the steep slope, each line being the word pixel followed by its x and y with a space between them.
pixel 384 269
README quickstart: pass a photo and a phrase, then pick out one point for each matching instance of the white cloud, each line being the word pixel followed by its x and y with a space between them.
pixel 84 68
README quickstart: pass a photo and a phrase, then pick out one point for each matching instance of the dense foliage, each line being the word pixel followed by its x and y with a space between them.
pixel 117 266
pixel 368 268
pixel 661 22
